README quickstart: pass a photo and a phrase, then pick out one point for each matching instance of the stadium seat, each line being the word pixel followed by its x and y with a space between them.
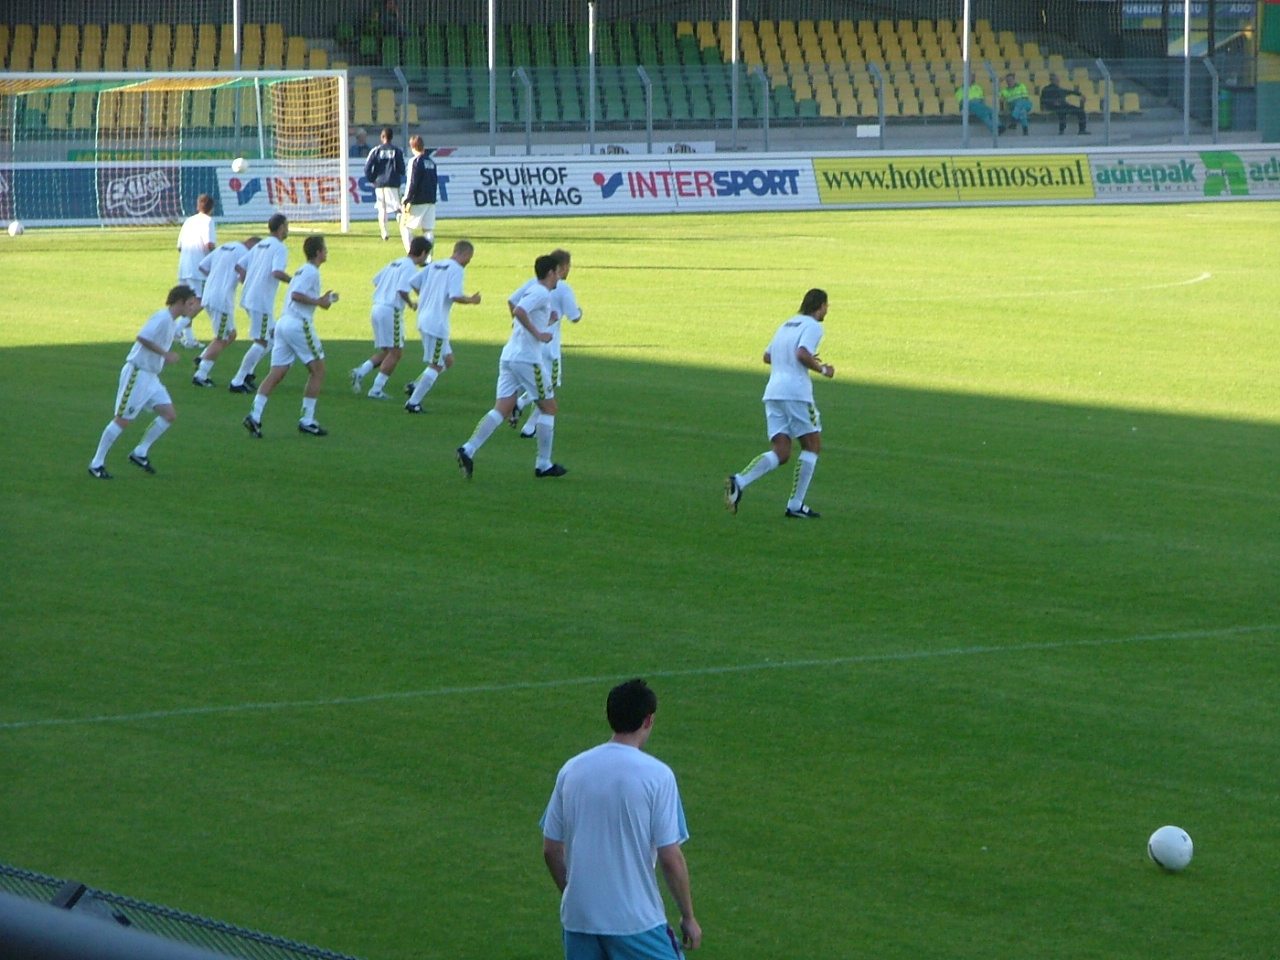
pixel 318 59
pixel 226 48
pixel 91 48
pixel 385 108
pixel 295 57
pixel 201 108
pixel 273 47
pixel 362 101
pixel 161 47
pixel 68 48
pixel 82 111
pixel 1130 104
pixel 139 53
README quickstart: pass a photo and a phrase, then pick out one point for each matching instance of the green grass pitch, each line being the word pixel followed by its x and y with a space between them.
pixel 321 687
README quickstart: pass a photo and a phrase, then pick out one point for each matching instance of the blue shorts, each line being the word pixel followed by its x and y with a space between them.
pixel 660 943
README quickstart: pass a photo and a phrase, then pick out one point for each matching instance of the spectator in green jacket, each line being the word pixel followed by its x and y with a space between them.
pixel 1017 100
pixel 978 108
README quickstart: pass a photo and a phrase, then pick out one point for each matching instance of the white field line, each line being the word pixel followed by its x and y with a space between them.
pixel 870 297
pixel 689 672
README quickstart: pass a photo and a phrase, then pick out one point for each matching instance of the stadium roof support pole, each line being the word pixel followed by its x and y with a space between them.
pixel 404 101
pixel 968 79
pixel 733 61
pixel 758 72
pixel 235 31
pixel 1108 86
pixel 262 133
pixel 523 77
pixel 1186 71
pixel 1213 96
pixel 591 76
pixel 648 108
pixel 995 102
pixel 493 77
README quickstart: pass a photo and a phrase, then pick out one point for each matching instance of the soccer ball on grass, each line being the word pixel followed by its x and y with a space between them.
pixel 239 165
pixel 16 229
pixel 1170 848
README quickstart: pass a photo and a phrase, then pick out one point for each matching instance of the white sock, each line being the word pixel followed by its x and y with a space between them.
pixel 364 369
pixel 523 401
pixel 255 353
pixel 406 235
pixel 206 368
pixel 530 427
pixel 379 382
pixel 382 221
pixel 425 383
pixel 806 463
pixel 151 436
pixel 546 433
pixel 308 409
pixel 108 438
pixel 490 422
pixel 259 405
pixel 757 468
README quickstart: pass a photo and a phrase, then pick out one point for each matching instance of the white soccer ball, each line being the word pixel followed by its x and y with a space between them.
pixel 239 165
pixel 1171 848
pixel 16 229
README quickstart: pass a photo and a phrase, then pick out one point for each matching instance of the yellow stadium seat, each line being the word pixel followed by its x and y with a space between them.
pixel 224 108
pixel 683 27
pixel 183 57
pixel 47 40
pixel 319 59
pixel 296 54
pixel 68 48
pixel 386 108
pixel 1130 103
pixel 272 50
pixel 226 48
pixel 201 107
pixel 57 111
pixel 4 45
pixel 206 47
pixel 139 52
pixel 82 111
pixel 20 54
pixel 113 51
pixel 161 46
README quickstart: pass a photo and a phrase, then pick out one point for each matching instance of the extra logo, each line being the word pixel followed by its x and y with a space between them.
pixel 244 191
pixel 137 195
pixel 699 184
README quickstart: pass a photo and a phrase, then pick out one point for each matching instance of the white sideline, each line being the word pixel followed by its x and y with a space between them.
pixel 870 296
pixel 690 672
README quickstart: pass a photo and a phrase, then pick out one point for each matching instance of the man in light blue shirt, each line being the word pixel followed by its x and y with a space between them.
pixel 615 813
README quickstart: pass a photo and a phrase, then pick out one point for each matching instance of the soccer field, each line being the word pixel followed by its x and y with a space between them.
pixel 321 686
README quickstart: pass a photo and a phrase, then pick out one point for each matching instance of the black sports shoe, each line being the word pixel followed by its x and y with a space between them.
pixel 250 379
pixel 409 388
pixel 555 470
pixel 804 512
pixel 143 462
pixel 732 494
pixel 413 408
pixel 206 382
pixel 313 428
pixel 465 463
pixel 196 361
pixel 100 473
pixel 245 387
pixel 513 418
pixel 253 426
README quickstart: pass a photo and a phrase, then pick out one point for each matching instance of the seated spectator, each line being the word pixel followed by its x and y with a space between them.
pixel 361 147
pixel 978 108
pixel 1053 99
pixel 1017 100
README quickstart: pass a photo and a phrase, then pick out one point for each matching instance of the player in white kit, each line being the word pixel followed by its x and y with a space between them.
pixel 391 294
pixel 788 404
pixel 262 276
pixel 140 387
pixel 439 286
pixel 223 270
pixel 524 367
pixel 196 239
pixel 296 339
pixel 566 305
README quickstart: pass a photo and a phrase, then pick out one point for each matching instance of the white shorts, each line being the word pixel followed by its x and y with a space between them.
pixel 386 200
pixel 388 327
pixel 421 216
pixel 262 325
pixel 139 391
pixel 223 320
pixel 435 349
pixel 516 377
pixel 795 418
pixel 195 283
pixel 296 339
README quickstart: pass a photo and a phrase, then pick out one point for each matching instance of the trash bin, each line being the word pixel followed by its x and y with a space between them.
pixel 1225 98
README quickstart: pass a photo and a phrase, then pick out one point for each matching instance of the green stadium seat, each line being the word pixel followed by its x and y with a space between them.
pixel 390 52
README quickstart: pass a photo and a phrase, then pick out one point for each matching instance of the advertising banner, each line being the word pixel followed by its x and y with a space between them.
pixel 1193 174
pixel 867 181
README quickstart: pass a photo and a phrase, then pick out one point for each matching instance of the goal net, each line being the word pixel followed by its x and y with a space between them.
pixel 115 148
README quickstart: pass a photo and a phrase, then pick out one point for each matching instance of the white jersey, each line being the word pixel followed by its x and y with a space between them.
pixel 788 377
pixel 392 280
pixel 613 807
pixel 193 244
pixel 563 304
pixel 259 294
pixel 439 284
pixel 305 281
pixel 220 269
pixel 159 330
pixel 523 346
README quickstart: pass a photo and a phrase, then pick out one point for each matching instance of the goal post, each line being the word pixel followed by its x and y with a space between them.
pixel 113 148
